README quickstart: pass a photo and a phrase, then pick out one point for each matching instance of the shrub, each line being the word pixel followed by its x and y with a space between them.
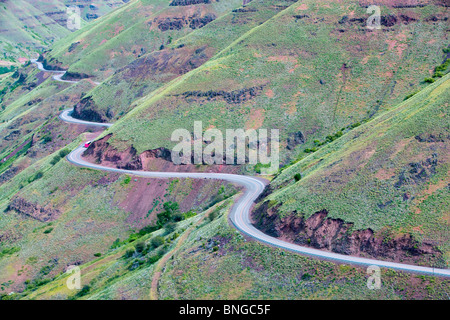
pixel 168 215
pixel 147 229
pixel 98 254
pixel 272 203
pixel 6 69
pixel 429 80
pixel 157 241
pixel 46 139
pixel 84 291
pixel 128 254
pixel 189 214
pixel 306 276
pixel 438 74
pixel 177 217
pixel 48 230
pixel 410 95
pixel 140 247
pixel 116 244
pixel 308 150
pixel 163 218
pixel 170 227
pixel 260 166
pixel 9 251
pixel 126 181
pixel 55 160
pixel 153 259
pixel 63 153
pixel 37 176
pixel 212 215
pixel 297 177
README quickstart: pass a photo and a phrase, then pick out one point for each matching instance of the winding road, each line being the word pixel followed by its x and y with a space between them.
pixel 240 213
pixel 59 74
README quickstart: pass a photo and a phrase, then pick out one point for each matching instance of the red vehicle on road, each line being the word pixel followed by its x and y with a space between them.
pixel 87 144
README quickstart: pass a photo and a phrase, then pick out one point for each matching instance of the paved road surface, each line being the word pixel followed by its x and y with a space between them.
pixel 59 74
pixel 240 213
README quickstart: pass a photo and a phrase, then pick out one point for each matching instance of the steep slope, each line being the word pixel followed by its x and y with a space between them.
pixel 381 190
pixel 55 214
pixel 307 78
pixel 28 26
pixel 140 27
pixel 204 258
pixel 25 27
pixel 309 71
pixel 115 96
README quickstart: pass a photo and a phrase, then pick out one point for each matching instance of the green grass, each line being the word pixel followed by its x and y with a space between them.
pixel 122 91
pixel 282 55
pixel 354 176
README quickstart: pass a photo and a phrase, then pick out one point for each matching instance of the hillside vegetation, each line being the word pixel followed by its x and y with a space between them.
pixel 364 126
pixel 30 26
pixel 389 176
pixel 308 77
pixel 205 258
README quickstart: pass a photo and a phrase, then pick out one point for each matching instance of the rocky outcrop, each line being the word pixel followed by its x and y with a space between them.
pixel 294 139
pixel 232 97
pixel 321 232
pixel 86 110
pixel 176 3
pixel 101 152
pixel 418 172
pixel 429 137
pixel 386 21
pixel 8 174
pixel 52 64
pixel 74 76
pixel 12 135
pixel 194 22
pixel 33 210
pixel 73 46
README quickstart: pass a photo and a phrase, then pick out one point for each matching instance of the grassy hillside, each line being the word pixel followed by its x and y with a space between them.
pixel 390 175
pixel 205 258
pixel 309 71
pixel 54 214
pixel 140 27
pixel 117 95
pixel 363 117
pixel 29 26
pixel 25 27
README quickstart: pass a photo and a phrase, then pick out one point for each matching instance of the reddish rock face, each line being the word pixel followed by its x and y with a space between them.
pixel 338 236
pixel 176 3
pixel 159 159
pixel 33 210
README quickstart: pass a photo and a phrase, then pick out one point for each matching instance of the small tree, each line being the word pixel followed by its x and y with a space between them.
pixel 170 227
pixel 157 241
pixel 212 215
pixel 140 247
pixel 128 254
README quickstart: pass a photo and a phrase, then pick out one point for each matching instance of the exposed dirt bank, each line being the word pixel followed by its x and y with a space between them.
pixel 321 232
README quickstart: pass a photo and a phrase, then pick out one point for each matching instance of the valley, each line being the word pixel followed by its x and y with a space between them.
pixel 363 177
